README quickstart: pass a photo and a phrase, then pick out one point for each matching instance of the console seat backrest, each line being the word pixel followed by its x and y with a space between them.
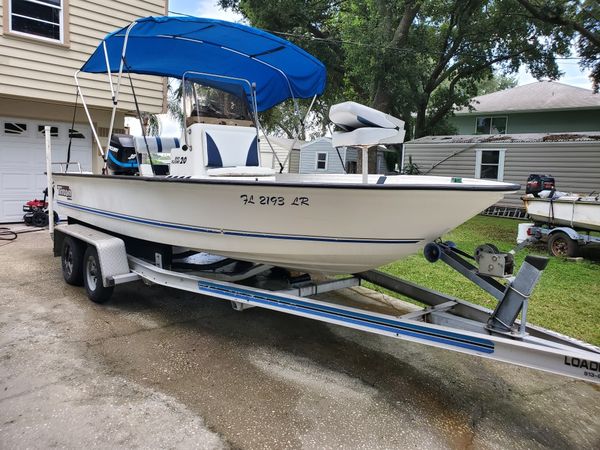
pixel 156 144
pixel 230 146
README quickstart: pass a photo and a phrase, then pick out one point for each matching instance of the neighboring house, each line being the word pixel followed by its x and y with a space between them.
pixel 42 44
pixel 281 146
pixel 319 156
pixel 541 107
pixel 573 159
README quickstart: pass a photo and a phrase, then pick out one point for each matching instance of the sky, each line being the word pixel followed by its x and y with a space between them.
pixel 210 9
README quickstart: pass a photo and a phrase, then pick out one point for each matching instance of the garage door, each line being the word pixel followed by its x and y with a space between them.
pixel 23 159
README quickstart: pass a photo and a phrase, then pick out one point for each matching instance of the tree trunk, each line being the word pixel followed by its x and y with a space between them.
pixel 381 96
pixel 421 120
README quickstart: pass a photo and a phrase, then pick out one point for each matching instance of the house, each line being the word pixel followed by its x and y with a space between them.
pixel 541 107
pixel 281 147
pixel 573 159
pixel 42 44
pixel 319 156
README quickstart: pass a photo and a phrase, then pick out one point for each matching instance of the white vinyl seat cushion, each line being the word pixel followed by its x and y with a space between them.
pixel 368 137
pixel 156 144
pixel 351 115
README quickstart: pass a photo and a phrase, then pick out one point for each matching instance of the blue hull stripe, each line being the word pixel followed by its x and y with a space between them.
pixel 233 232
pixel 352 317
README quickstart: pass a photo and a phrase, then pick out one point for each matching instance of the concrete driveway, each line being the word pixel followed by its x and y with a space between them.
pixel 160 368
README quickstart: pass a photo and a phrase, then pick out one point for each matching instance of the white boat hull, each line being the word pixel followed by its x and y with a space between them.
pixel 571 211
pixel 340 227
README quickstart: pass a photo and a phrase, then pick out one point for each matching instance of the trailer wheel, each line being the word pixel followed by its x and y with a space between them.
pixel 560 244
pixel 71 259
pixel 92 277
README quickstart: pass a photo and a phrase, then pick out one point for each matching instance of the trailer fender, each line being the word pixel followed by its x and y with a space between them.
pixel 568 231
pixel 112 254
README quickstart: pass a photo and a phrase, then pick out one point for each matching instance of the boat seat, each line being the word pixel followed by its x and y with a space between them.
pixel 230 146
pixel 156 144
pixel 351 115
pixel 367 137
pixel 363 126
pixel 160 150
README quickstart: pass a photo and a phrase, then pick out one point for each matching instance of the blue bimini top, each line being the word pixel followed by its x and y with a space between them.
pixel 171 46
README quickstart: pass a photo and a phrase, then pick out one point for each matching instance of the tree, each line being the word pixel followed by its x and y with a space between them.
pixel 432 59
pixel 415 59
pixel 580 16
pixel 174 99
pixel 151 124
pixel 312 26
pixel 495 83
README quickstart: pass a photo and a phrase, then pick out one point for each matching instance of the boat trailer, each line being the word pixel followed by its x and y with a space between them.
pixel 100 261
pixel 562 241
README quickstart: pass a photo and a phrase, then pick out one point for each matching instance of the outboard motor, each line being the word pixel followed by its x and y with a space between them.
pixel 121 158
pixel 538 183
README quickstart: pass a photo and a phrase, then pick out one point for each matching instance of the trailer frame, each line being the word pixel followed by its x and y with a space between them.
pixel 444 322
pixel 575 238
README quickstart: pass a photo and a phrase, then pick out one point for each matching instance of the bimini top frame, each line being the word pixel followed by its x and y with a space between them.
pixel 279 69
pixel 268 69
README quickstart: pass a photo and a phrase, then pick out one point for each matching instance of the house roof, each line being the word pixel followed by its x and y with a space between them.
pixel 539 96
pixel 591 136
pixel 320 139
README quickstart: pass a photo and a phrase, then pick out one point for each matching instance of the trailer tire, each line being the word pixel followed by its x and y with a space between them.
pixel 92 277
pixel 71 261
pixel 560 244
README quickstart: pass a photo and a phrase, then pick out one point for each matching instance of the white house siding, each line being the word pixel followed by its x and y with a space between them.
pixel 267 158
pixel 31 68
pixel 351 154
pixel 574 165
pixel 308 157
pixel 295 161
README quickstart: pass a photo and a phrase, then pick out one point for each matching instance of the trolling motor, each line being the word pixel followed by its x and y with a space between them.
pixel 36 212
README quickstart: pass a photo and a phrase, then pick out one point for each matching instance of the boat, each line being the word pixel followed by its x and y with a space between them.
pixel 206 190
pixel 571 210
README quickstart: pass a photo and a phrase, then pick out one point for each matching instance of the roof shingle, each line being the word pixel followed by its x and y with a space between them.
pixel 539 96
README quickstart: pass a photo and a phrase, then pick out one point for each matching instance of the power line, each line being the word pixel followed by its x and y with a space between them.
pixel 314 38
pixel 359 44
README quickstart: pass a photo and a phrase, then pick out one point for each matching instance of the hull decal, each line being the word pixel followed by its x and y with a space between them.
pixel 398 327
pixel 293 237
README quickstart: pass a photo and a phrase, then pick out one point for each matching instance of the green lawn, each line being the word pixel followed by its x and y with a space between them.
pixel 566 300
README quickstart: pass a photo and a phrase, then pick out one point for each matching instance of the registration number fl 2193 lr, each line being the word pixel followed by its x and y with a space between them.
pixel 273 200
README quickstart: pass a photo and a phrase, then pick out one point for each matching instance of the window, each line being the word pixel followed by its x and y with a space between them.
pixel 490 125
pixel 39 18
pixel 15 129
pixel 53 131
pixel 78 135
pixel 321 161
pixel 489 164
